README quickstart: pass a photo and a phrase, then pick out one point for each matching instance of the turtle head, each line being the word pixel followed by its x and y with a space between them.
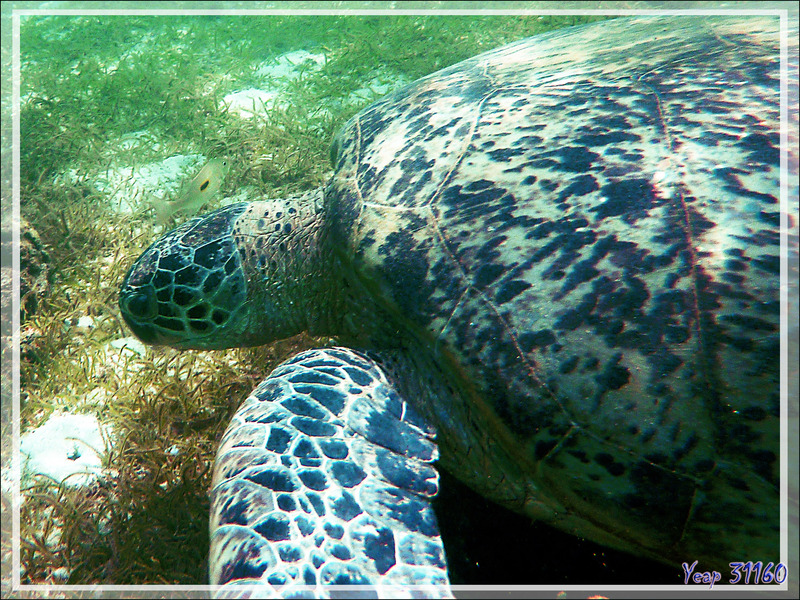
pixel 243 275
pixel 188 289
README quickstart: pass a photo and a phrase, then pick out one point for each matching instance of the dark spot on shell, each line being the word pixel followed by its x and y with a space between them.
pixel 577 159
pixel 605 137
pixel 749 323
pixel 770 264
pixel 607 461
pixel 569 365
pixel 529 341
pixel 761 148
pixel 579 186
pixel 487 274
pixel 626 197
pixel 511 289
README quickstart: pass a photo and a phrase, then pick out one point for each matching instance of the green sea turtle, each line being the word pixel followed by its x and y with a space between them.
pixel 554 271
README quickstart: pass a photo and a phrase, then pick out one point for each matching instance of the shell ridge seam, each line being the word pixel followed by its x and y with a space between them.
pixel 467 141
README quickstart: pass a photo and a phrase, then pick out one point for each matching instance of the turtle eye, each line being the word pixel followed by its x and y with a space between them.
pixel 141 305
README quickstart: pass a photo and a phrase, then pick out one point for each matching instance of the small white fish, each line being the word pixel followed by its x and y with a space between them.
pixel 196 192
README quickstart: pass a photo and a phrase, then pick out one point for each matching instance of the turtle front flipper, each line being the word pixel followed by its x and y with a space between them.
pixel 324 477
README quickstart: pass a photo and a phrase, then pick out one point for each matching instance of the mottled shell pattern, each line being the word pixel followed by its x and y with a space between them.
pixel 586 224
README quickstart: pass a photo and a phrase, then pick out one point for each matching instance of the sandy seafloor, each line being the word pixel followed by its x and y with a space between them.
pixel 128 169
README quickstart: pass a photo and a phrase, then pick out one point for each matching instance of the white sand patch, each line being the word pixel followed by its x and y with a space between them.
pixel 139 139
pixel 123 354
pixel 250 103
pixel 291 65
pixel 84 323
pixel 276 74
pixel 129 344
pixel 67 448
pixel 131 189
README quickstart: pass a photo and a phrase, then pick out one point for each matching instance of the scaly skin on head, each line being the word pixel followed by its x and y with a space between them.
pixel 246 274
pixel 291 269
